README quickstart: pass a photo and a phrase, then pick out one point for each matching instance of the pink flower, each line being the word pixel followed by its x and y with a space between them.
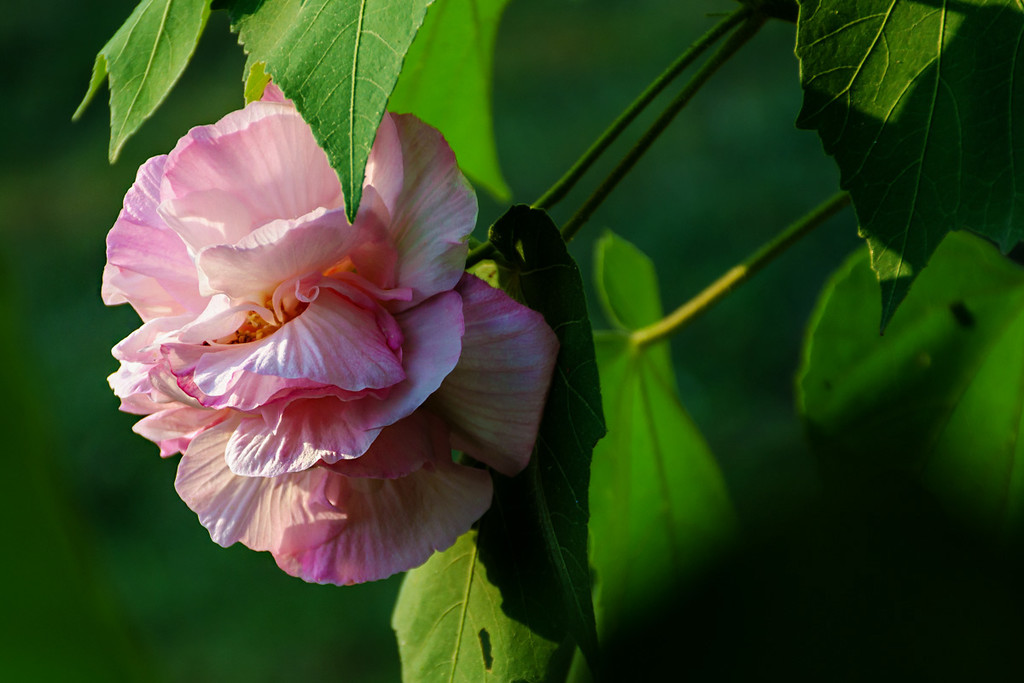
pixel 316 374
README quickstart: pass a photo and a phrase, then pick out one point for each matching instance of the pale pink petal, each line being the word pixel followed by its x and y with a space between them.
pixel 143 345
pixel 328 528
pixel 220 319
pixel 208 217
pixel 131 379
pixel 374 257
pixel 494 398
pixel 174 428
pixel 399 449
pixel 391 525
pixel 433 342
pixel 384 166
pixel 272 93
pixel 435 213
pixel 333 343
pixel 257 511
pixel 263 155
pixel 147 263
pixel 278 251
pixel 305 432
pixel 261 394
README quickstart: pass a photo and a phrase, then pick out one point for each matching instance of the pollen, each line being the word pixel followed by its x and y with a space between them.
pixel 253 329
pixel 256 327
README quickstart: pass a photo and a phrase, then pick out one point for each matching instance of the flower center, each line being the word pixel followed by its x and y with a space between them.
pixel 255 327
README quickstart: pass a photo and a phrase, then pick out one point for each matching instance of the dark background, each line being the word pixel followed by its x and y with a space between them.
pixel 109 575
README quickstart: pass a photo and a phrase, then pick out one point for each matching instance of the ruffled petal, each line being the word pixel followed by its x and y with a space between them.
pixel 332 343
pixel 265 157
pixel 143 345
pixel 433 342
pixel 391 525
pixel 147 263
pixel 174 428
pixel 435 213
pixel 400 449
pixel 208 217
pixel 495 396
pixel 328 528
pixel 131 379
pixel 278 251
pixel 257 511
pixel 384 166
pixel 374 257
pixel 219 319
pixel 303 433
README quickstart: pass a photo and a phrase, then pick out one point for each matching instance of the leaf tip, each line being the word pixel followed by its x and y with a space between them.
pixel 99 74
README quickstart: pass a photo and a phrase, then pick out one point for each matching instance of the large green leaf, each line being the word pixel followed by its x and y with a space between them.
pixel 918 102
pixel 143 61
pixel 447 83
pixel 940 396
pixel 338 60
pixel 552 492
pixel 660 511
pixel 453 622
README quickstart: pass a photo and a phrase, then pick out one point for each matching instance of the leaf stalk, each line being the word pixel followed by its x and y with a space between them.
pixel 738 274
pixel 746 31
pixel 564 184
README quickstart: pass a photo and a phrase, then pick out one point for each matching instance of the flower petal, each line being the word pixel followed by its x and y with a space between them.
pixel 333 343
pixel 305 432
pixel 147 263
pixel 258 511
pixel 433 342
pixel 278 251
pixel 384 166
pixel 391 525
pixel 325 527
pixel 494 398
pixel 435 213
pixel 399 449
pixel 174 428
pixel 264 156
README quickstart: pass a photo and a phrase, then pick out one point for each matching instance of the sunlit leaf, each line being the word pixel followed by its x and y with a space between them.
pixel 453 623
pixel 940 396
pixel 919 103
pixel 143 61
pixel 447 83
pixel 554 486
pixel 659 508
pixel 338 61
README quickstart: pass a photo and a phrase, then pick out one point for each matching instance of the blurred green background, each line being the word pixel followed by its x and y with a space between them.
pixel 109 576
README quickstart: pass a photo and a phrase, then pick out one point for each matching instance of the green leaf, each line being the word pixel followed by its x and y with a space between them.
pixel 660 509
pixel 447 83
pixel 338 61
pixel 553 489
pixel 452 623
pixel 940 396
pixel 626 283
pixel 256 82
pixel 917 101
pixel 144 60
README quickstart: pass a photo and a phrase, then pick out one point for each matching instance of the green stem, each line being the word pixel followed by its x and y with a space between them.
pixel 484 251
pixel 737 275
pixel 727 50
pixel 568 181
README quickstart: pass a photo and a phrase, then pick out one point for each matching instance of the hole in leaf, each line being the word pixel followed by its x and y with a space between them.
pixel 485 647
